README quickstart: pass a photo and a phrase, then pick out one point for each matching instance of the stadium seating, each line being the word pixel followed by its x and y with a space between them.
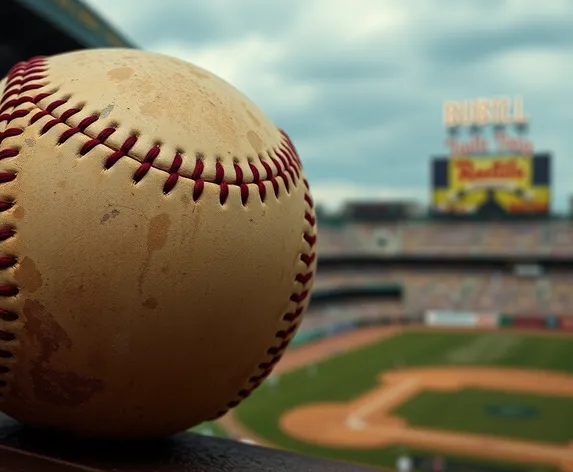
pixel 341 313
pixel 425 237
pixel 479 290
pixel 435 289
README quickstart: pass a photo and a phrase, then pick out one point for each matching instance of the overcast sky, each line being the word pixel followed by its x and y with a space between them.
pixel 359 84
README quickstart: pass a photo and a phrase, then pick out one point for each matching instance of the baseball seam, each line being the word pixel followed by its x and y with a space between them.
pixel 292 318
pixel 281 162
pixel 21 78
pixel 28 76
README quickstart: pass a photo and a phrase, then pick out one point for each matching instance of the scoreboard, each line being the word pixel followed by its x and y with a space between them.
pixel 491 184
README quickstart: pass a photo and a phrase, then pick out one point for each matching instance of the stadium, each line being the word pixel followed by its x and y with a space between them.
pixel 442 333
pixel 429 337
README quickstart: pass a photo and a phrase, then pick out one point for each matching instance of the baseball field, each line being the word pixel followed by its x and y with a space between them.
pixel 499 398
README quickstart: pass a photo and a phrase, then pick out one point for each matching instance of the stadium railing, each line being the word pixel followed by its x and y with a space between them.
pixel 23 450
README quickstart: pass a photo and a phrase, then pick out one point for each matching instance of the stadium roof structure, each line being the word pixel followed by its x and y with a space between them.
pixel 47 27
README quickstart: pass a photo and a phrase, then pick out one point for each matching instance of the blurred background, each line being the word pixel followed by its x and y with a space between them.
pixel 436 137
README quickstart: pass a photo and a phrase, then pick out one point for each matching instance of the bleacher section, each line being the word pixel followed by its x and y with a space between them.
pixel 478 288
pixel 434 289
pixel 337 315
pixel 428 238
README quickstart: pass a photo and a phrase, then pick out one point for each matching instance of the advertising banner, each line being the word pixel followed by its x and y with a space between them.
pixel 450 318
pixel 487 320
pixel 505 320
pixel 482 185
pixel 566 323
pixel 529 322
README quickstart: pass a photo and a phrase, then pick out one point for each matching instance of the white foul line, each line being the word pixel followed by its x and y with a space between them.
pixel 356 418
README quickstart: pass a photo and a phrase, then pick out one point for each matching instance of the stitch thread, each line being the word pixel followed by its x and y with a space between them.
pixel 284 336
pixel 23 78
pixel 284 158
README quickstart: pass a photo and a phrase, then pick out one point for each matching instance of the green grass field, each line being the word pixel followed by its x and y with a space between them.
pixel 465 411
pixel 210 428
pixel 346 376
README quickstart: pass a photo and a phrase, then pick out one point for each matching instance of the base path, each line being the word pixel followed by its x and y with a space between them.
pixel 367 421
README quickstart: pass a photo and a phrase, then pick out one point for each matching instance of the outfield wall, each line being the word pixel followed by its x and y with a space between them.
pixel 444 319
pixel 304 337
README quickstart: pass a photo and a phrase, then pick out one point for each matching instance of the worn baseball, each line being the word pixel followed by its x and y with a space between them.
pixel 157 244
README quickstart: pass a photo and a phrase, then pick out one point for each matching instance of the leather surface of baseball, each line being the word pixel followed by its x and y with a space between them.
pixel 157 244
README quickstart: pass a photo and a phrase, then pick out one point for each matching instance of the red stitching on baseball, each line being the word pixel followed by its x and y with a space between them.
pixel 8 290
pixel 147 161
pixel 7 177
pixel 308 259
pixel 285 160
pixel 285 335
pixel 6 233
pixel 310 218
pixel 6 315
pixel 310 239
pixel 5 355
pixel 7 336
pixel 7 262
pixel 10 133
pixel 22 78
pixel 304 278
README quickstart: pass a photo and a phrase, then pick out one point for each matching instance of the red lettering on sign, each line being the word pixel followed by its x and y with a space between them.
pixel 566 323
pixel 517 145
pixel 475 145
pixel 529 207
pixel 480 145
pixel 469 171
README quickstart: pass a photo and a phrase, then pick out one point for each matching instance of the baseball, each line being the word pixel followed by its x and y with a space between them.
pixel 157 244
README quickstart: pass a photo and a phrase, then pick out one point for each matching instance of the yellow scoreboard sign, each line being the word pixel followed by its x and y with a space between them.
pixel 506 183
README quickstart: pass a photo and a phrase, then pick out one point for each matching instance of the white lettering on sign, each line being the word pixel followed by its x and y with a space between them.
pixel 484 111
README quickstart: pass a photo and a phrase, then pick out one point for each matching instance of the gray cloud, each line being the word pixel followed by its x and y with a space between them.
pixel 478 41
pixel 203 21
pixel 359 85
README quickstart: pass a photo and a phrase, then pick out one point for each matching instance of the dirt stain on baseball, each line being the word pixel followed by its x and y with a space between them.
pixel 48 337
pixel 19 212
pixel 112 214
pixel 120 74
pixel 150 303
pixel 157 233
pixel 28 276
